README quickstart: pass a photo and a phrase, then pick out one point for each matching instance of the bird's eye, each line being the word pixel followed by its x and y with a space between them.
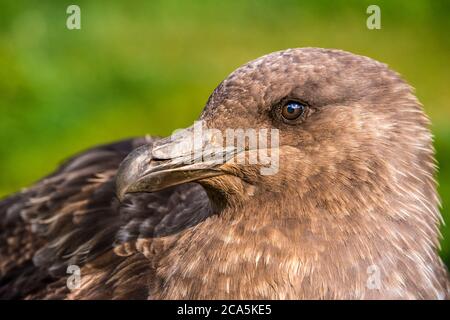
pixel 292 110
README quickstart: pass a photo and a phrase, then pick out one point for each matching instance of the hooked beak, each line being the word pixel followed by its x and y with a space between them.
pixel 170 161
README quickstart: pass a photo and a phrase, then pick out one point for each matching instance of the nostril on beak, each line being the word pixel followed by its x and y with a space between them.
pixel 171 150
pixel 161 153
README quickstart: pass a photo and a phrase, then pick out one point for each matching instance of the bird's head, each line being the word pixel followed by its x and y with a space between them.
pixel 312 125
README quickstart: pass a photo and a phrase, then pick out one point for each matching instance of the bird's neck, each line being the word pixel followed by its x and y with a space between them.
pixel 386 231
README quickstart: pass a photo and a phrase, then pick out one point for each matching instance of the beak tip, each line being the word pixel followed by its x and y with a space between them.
pixel 120 195
pixel 121 190
pixel 130 170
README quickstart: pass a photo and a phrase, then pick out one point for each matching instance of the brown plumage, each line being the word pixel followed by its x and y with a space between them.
pixel 355 193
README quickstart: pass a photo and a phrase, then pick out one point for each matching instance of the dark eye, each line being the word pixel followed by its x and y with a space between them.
pixel 292 110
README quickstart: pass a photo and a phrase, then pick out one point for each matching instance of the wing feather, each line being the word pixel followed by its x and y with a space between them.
pixel 73 217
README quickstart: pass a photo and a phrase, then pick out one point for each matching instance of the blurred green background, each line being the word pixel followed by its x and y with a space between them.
pixel 148 67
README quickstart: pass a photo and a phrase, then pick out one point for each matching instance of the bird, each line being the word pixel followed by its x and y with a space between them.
pixel 351 210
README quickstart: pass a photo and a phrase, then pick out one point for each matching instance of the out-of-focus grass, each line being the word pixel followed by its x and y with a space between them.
pixel 148 67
